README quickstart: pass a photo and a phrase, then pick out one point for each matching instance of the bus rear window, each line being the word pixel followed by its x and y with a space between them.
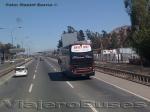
pixel 82 55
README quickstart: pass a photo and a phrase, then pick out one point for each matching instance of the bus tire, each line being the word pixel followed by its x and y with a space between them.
pixel 87 77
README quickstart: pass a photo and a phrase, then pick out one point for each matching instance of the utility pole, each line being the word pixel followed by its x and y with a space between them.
pixel 12 37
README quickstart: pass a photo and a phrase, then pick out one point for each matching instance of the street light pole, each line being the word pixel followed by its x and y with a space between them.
pixel 12 38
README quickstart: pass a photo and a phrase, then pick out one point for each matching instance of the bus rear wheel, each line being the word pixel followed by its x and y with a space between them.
pixel 87 77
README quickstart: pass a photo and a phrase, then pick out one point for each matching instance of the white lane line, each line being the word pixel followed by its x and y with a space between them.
pixel 34 76
pixel 142 97
pixel 94 110
pixel 37 66
pixel 52 66
pixel 30 88
pixel 69 84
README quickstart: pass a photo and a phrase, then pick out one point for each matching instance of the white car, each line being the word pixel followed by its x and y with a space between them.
pixel 21 71
pixel 12 61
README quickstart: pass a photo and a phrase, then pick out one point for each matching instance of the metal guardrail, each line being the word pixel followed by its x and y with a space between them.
pixel 138 78
pixel 9 69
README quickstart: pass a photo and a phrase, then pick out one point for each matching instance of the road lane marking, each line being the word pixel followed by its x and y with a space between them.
pixel 51 66
pixel 142 97
pixel 34 76
pixel 91 106
pixel 37 66
pixel 69 84
pixel 30 88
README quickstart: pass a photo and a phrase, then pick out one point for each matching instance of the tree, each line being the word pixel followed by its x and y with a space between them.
pixel 114 42
pixel 95 39
pixel 18 46
pixel 71 29
pixel 60 44
pixel 64 32
pixel 89 34
pixel 139 13
pixel 142 43
pixel 5 50
pixel 81 36
pixel 1 45
pixel 104 33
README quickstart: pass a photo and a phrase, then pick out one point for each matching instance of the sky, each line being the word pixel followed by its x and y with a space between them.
pixel 41 27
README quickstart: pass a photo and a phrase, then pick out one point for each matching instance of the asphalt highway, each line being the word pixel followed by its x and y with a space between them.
pixel 46 89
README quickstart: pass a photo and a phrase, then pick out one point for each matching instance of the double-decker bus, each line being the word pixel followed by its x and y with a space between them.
pixel 76 60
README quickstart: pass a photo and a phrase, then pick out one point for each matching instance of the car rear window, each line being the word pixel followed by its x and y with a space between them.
pixel 20 69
